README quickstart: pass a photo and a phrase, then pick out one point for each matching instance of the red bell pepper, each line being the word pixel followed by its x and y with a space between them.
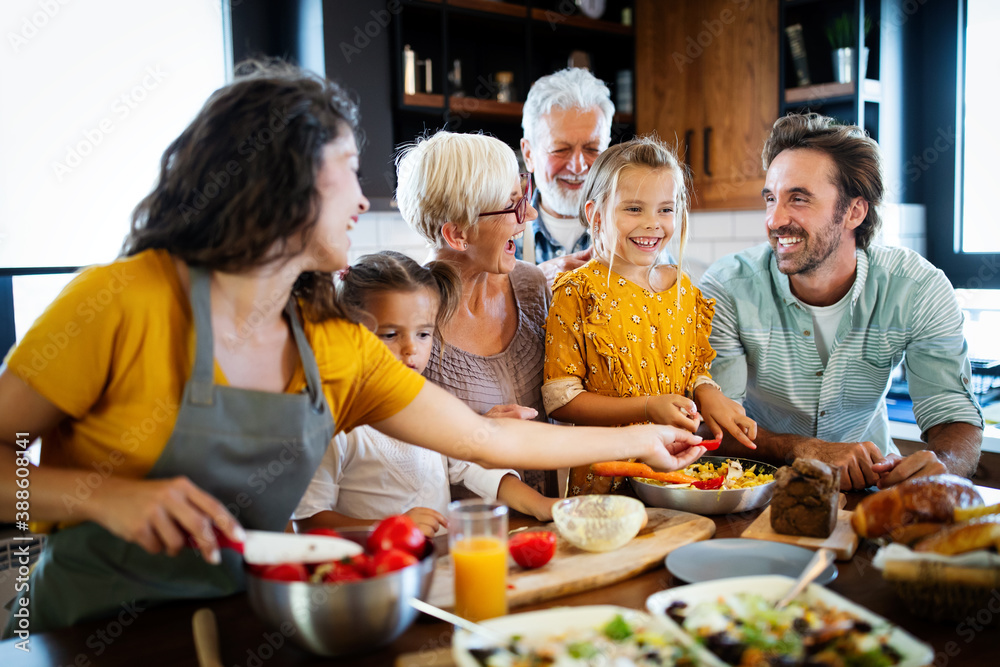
pixel 711 445
pixel 709 484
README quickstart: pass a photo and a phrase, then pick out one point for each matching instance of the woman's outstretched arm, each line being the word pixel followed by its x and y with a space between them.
pixel 437 420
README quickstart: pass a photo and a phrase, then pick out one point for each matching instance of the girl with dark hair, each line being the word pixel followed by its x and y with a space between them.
pixel 365 475
pixel 196 382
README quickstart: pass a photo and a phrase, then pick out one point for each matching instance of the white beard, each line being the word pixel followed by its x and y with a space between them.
pixel 559 200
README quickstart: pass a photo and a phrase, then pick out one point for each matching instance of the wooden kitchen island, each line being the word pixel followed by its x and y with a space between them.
pixel 160 637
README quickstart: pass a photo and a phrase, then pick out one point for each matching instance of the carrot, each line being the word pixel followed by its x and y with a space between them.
pixel 636 469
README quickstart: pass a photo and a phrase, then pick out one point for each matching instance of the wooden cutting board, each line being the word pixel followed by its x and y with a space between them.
pixel 572 570
pixel 843 541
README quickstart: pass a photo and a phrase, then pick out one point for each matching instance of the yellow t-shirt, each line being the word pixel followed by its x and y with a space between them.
pixel 116 348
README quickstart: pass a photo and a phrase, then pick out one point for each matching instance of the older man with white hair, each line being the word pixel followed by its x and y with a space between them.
pixel 567 124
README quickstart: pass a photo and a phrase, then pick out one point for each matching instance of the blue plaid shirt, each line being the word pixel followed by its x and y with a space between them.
pixel 902 309
pixel 546 247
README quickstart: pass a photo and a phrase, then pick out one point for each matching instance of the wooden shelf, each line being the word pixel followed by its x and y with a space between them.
pixel 428 100
pixel 480 108
pixel 504 8
pixel 472 107
pixel 799 3
pixel 551 16
pixel 871 91
pixel 556 18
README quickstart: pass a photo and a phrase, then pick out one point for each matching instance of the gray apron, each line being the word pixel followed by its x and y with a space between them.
pixel 255 451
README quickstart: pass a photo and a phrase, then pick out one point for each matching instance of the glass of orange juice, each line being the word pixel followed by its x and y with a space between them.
pixel 477 539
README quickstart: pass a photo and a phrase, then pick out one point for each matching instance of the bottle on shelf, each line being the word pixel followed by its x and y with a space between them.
pixel 505 86
pixel 409 71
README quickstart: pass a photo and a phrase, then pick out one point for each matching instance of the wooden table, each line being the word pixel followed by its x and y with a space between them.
pixel 161 636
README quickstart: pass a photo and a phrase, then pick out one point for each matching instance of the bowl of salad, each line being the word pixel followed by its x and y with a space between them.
pixel 711 485
pixel 595 635
pixel 735 620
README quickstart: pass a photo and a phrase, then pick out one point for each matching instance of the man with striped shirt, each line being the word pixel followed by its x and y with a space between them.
pixel 809 326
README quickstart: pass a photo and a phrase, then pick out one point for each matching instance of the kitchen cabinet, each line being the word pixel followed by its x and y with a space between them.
pixel 365 41
pixel 708 82
pixel 526 39
pixel 876 104
pixel 848 102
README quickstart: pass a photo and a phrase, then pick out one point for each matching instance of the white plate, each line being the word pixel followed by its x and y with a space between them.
pixel 737 557
pixel 915 653
pixel 550 622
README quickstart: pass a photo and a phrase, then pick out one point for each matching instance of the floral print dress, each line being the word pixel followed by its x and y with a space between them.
pixel 621 339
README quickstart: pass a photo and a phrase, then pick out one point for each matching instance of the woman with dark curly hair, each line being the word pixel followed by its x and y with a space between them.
pixel 196 382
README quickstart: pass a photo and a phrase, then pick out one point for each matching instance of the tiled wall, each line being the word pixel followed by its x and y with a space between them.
pixel 715 234
pixel 712 235
pixel 385 230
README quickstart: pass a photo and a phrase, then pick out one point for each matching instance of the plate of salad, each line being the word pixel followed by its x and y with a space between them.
pixel 578 637
pixel 735 620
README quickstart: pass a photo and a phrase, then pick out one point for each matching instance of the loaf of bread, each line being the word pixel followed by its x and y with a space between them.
pixel 806 498
pixel 980 533
pixel 921 499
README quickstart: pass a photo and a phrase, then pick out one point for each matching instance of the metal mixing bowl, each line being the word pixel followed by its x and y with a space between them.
pixel 699 501
pixel 338 619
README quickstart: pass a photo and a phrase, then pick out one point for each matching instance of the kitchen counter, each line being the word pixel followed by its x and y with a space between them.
pixel 911 432
pixel 162 636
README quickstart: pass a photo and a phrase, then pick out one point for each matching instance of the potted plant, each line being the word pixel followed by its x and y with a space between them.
pixel 843 37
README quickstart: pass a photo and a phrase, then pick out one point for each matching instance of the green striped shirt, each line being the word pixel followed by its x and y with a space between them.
pixel 902 309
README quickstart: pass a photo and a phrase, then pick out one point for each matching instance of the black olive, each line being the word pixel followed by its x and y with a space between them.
pixel 676 611
pixel 893 655
pixel 863 626
pixel 801 625
pixel 483 654
pixel 817 647
pixel 728 648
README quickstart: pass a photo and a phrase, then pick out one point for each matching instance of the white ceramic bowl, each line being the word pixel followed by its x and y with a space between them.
pixel 599 522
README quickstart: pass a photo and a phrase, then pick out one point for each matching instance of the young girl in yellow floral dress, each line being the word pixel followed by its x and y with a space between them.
pixel 626 340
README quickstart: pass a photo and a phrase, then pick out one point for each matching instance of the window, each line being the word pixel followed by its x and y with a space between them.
pixel 979 232
pixel 94 93
pixel 951 94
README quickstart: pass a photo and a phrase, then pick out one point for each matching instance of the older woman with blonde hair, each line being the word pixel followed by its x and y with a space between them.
pixel 463 194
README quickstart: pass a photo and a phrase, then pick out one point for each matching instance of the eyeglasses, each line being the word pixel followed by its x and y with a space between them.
pixel 518 209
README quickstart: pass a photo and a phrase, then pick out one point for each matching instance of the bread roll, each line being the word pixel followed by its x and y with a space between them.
pixel 980 533
pixel 910 534
pixel 921 499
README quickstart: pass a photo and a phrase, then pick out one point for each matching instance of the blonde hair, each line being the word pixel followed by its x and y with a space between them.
pixel 601 187
pixel 452 177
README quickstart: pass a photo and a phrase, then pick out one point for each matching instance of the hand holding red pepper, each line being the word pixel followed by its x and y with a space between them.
pixel 722 413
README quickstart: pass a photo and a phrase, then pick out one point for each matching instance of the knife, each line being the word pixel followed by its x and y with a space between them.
pixel 263 547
